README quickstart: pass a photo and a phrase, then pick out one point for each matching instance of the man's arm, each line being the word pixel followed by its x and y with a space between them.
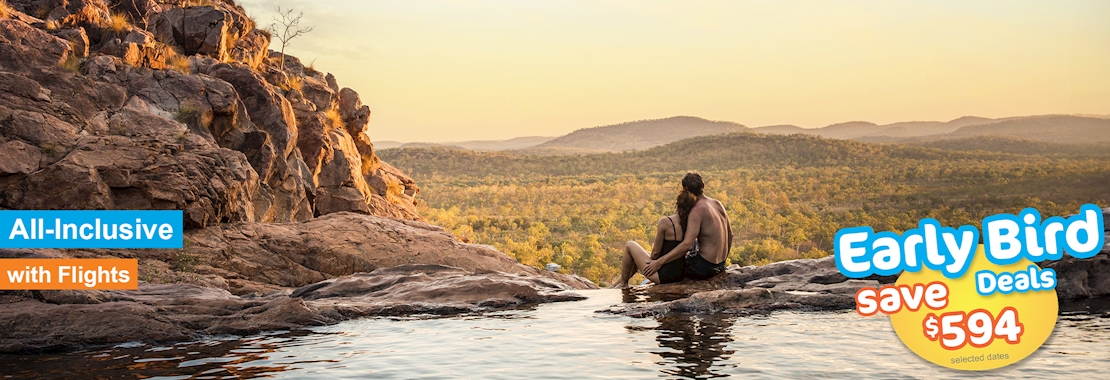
pixel 693 227
pixel 728 224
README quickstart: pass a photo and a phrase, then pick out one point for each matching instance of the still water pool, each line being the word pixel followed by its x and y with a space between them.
pixel 570 340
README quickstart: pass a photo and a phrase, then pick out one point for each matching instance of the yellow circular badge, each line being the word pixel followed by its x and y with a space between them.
pixel 981 332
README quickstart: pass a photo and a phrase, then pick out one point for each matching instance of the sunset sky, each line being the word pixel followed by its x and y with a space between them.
pixel 451 70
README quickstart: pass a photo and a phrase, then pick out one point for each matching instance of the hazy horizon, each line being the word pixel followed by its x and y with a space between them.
pixel 460 70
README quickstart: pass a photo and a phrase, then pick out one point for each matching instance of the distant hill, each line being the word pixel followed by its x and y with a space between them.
pixel 716 152
pixel 478 145
pixel 1065 129
pixel 636 135
pixel 867 131
pixel 387 144
pixel 727 152
pixel 1015 145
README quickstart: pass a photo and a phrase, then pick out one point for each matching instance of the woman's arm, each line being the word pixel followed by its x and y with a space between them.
pixel 657 245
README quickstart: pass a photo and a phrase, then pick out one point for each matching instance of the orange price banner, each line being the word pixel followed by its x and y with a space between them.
pixel 69 274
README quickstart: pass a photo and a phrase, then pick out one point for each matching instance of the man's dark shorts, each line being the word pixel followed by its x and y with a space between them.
pixel 699 268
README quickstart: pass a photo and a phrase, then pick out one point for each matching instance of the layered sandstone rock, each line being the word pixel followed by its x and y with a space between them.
pixel 34 322
pixel 57 100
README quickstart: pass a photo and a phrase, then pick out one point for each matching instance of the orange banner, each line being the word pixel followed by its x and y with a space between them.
pixel 69 274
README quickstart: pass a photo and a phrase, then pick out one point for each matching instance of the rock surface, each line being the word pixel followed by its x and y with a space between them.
pixel 249 277
pixel 810 284
pixel 806 284
pixel 35 322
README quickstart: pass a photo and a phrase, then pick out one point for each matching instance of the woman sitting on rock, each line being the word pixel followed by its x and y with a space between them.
pixel 668 234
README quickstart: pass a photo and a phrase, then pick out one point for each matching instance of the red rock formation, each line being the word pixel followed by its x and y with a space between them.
pixel 183 107
pixel 57 97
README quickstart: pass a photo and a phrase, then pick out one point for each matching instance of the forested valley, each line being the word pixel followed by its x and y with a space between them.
pixel 786 195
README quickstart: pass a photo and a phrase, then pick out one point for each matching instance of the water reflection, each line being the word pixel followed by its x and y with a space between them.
pixel 235 358
pixel 570 340
pixel 696 343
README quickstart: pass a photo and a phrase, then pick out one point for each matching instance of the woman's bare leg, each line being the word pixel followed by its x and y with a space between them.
pixel 635 259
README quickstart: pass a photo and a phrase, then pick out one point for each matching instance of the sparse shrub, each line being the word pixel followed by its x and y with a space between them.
pixel 50 149
pixel 189 114
pixel 185 261
pixel 50 24
pixel 118 22
pixel 5 9
pixel 72 63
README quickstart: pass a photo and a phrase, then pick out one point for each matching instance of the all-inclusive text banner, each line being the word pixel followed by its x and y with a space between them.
pixel 91 229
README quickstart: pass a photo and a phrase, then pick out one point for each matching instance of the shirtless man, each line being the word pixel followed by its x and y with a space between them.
pixel 708 230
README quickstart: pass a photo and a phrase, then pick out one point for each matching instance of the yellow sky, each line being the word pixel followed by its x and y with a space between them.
pixel 470 69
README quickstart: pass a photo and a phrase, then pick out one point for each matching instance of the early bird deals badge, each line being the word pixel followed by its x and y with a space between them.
pixel 962 304
pixel 82 230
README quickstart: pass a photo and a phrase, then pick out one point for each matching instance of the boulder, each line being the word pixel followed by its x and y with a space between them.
pixel 206 30
pixel 78 39
pixel 137 10
pixel 251 49
pixel 1084 278
pixel 140 171
pixel 267 108
pixel 17 157
pixel 88 14
pixel 24 48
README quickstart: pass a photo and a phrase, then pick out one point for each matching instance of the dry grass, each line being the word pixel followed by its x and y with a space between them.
pixel 5 9
pixel 72 63
pixel 200 3
pixel 293 83
pixel 118 22
pixel 190 114
pixel 175 61
pixel 333 115
pixel 42 12
pixel 311 68
pixel 179 64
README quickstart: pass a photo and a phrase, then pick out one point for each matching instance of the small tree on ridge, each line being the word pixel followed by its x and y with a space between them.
pixel 286 27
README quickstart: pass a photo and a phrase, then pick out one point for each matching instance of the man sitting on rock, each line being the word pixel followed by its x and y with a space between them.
pixel 708 234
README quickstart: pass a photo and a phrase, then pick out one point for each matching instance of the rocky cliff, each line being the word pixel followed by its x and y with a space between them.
pixel 163 105
pixel 291 217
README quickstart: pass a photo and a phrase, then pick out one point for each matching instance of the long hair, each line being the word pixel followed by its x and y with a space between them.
pixel 683 204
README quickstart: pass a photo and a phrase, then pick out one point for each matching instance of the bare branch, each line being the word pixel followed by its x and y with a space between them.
pixel 286 27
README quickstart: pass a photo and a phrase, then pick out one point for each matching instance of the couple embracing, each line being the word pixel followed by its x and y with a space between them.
pixel 691 244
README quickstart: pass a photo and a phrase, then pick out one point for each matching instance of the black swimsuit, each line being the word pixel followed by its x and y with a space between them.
pixel 672 271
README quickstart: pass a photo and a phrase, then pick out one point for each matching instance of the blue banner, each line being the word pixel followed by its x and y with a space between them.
pixel 91 229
